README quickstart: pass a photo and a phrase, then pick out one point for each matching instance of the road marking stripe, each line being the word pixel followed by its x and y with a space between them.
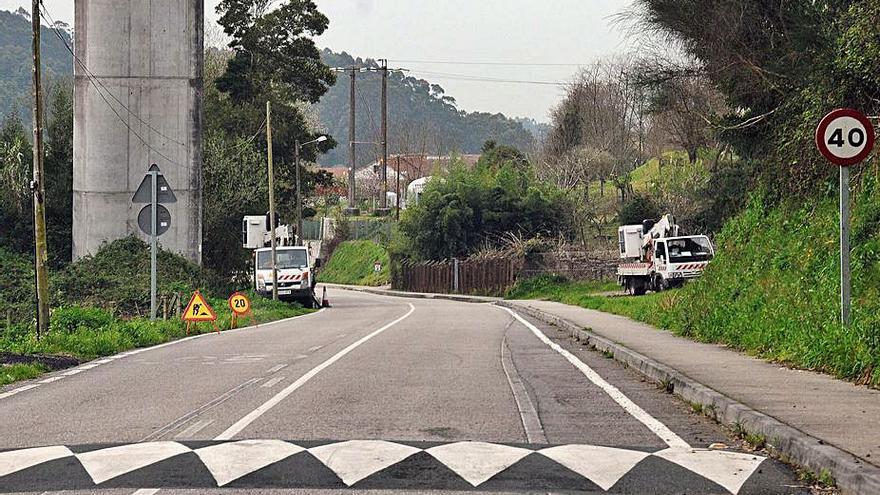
pixel 276 369
pixel 358 459
pixel 604 466
pixel 228 462
pixel 18 390
pixel 53 379
pixel 188 433
pixel 316 348
pixel 477 462
pixel 255 414
pixel 653 424
pixel 106 464
pixel 72 372
pixel 271 383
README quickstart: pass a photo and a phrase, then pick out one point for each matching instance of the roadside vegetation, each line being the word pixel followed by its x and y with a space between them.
pixel 353 263
pixel 101 306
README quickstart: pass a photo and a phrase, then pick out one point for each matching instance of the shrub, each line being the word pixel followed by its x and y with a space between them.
pixel 72 318
pixel 641 207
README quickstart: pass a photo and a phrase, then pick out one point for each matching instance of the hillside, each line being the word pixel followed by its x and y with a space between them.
pixel 422 117
pixel 15 62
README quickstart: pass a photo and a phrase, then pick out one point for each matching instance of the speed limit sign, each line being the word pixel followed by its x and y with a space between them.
pixel 845 137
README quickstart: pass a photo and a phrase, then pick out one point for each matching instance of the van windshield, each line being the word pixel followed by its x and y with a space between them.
pixel 287 258
pixel 689 250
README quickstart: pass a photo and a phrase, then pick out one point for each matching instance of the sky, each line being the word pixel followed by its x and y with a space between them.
pixel 461 43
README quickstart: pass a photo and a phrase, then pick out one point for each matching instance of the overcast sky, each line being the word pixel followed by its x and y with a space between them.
pixel 463 34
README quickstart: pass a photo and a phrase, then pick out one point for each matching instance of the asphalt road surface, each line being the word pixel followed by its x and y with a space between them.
pixel 377 393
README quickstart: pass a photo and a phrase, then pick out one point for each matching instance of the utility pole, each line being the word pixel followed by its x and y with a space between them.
pixel 299 204
pixel 272 201
pixel 398 186
pixel 41 256
pixel 384 203
pixel 352 198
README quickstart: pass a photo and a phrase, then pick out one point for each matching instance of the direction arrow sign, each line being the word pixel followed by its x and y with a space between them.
pixel 845 137
pixel 144 193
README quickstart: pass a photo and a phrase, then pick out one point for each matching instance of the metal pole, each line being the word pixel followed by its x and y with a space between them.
pixel 154 229
pixel 41 255
pixel 845 267
pixel 384 136
pixel 398 185
pixel 299 210
pixel 272 201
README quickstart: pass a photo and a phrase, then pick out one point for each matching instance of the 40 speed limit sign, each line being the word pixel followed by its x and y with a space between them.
pixel 845 137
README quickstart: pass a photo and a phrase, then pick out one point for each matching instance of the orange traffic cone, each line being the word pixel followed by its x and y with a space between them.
pixel 324 302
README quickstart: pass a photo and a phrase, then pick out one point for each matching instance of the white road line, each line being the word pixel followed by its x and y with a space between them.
pixel 276 369
pixel 53 379
pixel 653 424
pixel 18 390
pixel 188 433
pixel 274 401
pixel 271 383
pixel 316 348
pixel 72 372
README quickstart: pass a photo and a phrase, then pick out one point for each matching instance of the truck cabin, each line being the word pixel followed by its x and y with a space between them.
pixel 684 250
pixel 287 258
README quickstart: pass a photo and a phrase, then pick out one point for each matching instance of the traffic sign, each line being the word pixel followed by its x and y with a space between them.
pixel 845 137
pixel 163 220
pixel 240 304
pixel 164 194
pixel 198 309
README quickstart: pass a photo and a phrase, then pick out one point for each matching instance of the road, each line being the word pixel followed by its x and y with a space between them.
pixel 377 393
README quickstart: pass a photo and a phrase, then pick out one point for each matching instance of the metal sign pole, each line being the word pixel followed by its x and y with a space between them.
pixel 845 267
pixel 154 177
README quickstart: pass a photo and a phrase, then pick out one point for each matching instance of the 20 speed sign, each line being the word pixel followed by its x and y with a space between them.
pixel 845 137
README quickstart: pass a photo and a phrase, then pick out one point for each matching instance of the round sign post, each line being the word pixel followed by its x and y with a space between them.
pixel 845 137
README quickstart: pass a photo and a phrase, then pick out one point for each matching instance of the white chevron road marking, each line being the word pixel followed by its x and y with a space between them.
pixel 728 469
pixel 231 461
pixel 658 428
pixel 476 462
pixel 355 460
pixel 16 460
pixel 106 464
pixel 604 466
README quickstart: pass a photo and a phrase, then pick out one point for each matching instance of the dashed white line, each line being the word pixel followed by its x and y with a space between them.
pixel 18 390
pixel 653 424
pixel 316 348
pixel 276 369
pixel 53 379
pixel 73 372
pixel 188 433
pixel 271 383
pixel 274 401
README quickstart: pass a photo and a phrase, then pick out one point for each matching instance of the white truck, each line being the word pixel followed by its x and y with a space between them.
pixel 296 265
pixel 655 257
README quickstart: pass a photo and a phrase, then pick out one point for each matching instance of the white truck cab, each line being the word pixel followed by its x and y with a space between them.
pixel 296 274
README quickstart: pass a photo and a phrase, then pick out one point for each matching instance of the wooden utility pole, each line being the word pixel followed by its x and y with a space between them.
pixel 384 70
pixel 41 256
pixel 272 201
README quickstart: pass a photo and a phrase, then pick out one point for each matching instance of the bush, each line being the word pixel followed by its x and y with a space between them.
pixel 72 318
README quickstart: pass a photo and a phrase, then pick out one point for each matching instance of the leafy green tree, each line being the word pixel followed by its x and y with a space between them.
pixel 58 170
pixel 16 163
pixel 471 208
pixel 639 208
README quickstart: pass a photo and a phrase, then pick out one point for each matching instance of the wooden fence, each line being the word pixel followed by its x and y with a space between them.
pixel 485 275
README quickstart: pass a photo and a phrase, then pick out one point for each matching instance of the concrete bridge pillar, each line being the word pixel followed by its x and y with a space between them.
pixel 138 101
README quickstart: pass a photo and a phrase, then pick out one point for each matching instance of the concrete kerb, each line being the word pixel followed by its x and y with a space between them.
pixel 850 473
pixel 415 295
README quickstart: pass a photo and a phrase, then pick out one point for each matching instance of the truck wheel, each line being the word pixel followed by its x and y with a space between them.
pixel 639 287
pixel 659 284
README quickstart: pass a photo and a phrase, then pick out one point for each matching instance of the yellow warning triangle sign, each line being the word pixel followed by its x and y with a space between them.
pixel 198 309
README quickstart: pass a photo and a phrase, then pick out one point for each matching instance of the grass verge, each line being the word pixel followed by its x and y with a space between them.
pixel 353 263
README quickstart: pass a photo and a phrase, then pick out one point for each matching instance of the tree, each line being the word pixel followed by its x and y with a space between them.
pixel 16 158
pixel 59 173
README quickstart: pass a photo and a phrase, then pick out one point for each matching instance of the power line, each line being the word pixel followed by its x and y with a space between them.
pixel 469 77
pixel 507 64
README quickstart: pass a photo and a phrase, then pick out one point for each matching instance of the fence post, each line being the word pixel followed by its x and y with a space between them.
pixel 456 284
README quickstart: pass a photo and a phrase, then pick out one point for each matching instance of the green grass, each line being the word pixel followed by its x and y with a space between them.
pixel 17 372
pixel 90 333
pixel 772 291
pixel 353 264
